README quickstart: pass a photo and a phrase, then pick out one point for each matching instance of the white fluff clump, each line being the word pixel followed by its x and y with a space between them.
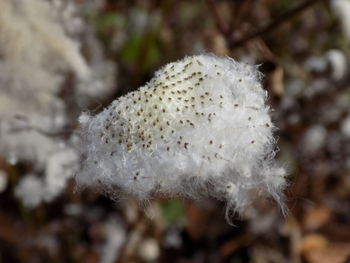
pixel 26 188
pixel 59 168
pixel 315 138
pixel 39 45
pixel 35 52
pixel 34 44
pixel 342 9
pixel 200 127
pixel 338 63
pixel 334 60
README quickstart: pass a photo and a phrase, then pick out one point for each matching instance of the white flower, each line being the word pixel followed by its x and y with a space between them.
pixel 199 127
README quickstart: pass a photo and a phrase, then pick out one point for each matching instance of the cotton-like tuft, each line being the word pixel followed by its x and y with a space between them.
pixel 199 128
pixel 40 53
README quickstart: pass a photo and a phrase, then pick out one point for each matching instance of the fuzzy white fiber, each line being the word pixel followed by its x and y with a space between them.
pixel 35 52
pixel 60 167
pixel 39 45
pixel 199 128
pixel 27 186
pixel 341 8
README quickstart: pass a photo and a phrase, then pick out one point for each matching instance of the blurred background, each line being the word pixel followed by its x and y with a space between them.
pixel 61 57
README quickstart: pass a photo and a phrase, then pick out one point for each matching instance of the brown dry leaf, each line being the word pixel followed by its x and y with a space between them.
pixel 9 229
pixel 275 80
pixel 2 164
pixel 313 242
pixel 334 253
pixel 338 231
pixel 232 245
pixel 92 257
pixel 316 217
pixel 197 220
pixel 219 45
pixel 291 229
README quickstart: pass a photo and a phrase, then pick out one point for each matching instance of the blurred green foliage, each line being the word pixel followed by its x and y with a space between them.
pixel 172 211
pixel 109 21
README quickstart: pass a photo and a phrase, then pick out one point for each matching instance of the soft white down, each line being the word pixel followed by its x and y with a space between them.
pixel 199 128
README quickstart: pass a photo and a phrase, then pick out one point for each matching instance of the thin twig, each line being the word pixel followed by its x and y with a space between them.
pixel 274 24
pixel 221 25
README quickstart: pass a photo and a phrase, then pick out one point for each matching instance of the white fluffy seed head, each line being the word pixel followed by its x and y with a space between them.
pixel 199 127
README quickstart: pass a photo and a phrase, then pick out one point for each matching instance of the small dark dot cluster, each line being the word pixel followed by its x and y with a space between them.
pixel 154 116
pixel 201 118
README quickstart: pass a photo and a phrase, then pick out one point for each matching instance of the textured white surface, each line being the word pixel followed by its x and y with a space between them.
pixel 199 127
pixel 39 45
pixel 342 9
pixel 29 190
pixel 60 167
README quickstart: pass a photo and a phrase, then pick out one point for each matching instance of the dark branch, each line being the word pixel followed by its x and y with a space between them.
pixel 218 20
pixel 274 24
